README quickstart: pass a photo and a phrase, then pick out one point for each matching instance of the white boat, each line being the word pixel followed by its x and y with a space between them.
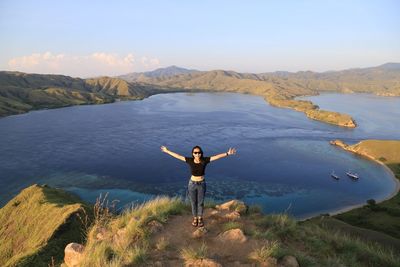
pixel 352 175
pixel 333 175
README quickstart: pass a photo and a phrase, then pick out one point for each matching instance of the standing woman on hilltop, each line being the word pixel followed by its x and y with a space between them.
pixel 197 183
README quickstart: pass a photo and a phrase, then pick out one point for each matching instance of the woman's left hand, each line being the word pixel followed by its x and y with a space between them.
pixel 231 151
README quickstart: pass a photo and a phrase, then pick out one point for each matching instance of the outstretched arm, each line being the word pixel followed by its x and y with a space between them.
pixel 175 155
pixel 231 151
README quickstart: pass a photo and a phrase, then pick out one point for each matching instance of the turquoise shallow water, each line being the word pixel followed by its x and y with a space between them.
pixel 283 162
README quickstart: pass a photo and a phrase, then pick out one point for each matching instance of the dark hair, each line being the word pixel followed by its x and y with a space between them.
pixel 201 150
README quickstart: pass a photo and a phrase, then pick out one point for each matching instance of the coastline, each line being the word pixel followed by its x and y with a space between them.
pixel 369 157
pixel 355 206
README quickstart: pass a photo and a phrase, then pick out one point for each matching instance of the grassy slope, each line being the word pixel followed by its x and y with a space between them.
pixel 385 216
pixel 38 212
pixel 21 92
pixel 128 241
pixel 36 225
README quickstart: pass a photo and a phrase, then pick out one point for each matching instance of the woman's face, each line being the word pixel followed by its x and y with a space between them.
pixel 197 153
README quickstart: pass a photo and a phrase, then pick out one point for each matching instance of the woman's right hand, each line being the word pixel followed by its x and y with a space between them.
pixel 164 149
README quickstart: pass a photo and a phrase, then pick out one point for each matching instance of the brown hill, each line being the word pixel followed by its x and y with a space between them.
pixel 21 92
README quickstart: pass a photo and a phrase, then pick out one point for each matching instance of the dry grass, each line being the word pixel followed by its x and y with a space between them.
pixel 129 233
pixel 29 225
pixel 264 252
pixel 190 253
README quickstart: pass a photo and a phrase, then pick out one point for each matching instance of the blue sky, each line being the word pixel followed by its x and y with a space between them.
pixel 87 38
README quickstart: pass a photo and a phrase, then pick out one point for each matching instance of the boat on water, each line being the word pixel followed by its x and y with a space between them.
pixel 352 175
pixel 334 175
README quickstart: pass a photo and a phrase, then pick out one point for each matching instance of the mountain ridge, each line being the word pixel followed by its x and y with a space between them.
pixel 21 92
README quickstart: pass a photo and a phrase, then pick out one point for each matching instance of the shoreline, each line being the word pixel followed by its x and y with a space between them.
pixel 355 206
pixel 351 207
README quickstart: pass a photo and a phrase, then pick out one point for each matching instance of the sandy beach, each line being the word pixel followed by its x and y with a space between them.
pixel 351 207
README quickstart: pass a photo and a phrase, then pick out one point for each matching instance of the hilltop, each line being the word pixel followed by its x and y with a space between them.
pixel 22 92
pixel 158 73
pixel 37 224
pixel 159 233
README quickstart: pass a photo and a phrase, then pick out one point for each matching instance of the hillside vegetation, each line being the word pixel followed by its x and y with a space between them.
pixel 159 233
pixel 22 92
pixel 36 225
pixel 39 223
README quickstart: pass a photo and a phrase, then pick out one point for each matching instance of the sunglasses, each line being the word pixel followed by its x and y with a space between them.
pixel 196 152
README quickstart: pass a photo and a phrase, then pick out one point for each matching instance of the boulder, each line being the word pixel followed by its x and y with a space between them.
pixel 73 254
pixel 202 263
pixel 233 235
pixel 289 261
pixel 200 232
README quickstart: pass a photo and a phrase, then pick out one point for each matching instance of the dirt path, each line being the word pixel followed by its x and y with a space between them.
pixel 178 233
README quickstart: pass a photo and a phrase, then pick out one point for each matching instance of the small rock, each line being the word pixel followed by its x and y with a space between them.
pixel 202 263
pixel 155 226
pixel 214 212
pixel 289 261
pixel 233 235
pixel 270 262
pixel 200 232
pixel 240 264
pixel 158 264
pixel 73 254
pixel 101 233
pixel 234 215
pixel 233 205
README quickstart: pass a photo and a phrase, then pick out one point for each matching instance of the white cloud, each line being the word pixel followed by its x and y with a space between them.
pixel 95 64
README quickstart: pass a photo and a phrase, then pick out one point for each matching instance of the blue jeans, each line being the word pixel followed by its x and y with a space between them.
pixel 196 194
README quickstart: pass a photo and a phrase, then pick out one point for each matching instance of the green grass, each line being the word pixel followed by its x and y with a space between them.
pixel 127 236
pixel 385 216
pixel 268 249
pixel 133 245
pixel 280 224
pixel 37 224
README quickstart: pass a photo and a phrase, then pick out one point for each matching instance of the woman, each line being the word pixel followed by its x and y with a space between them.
pixel 197 184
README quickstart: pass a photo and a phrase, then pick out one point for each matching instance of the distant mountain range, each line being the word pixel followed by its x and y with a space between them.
pixel 21 92
pixel 383 79
pixel 158 73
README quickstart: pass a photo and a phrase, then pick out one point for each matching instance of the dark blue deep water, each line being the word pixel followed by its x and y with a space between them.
pixel 283 159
